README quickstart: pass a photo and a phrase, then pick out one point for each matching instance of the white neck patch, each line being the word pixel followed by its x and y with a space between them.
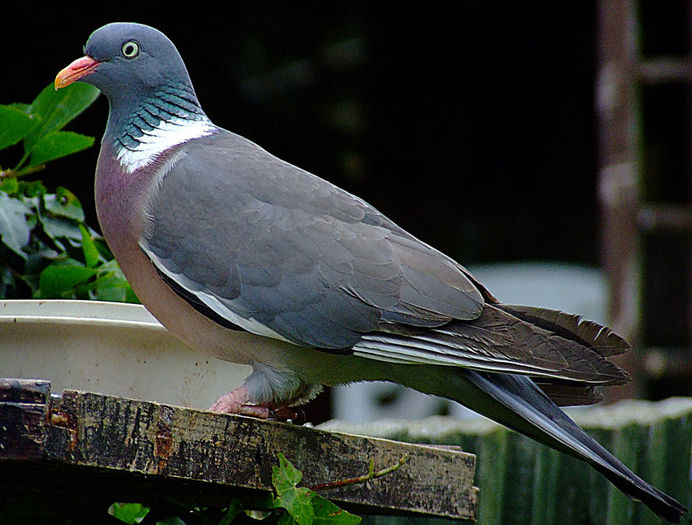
pixel 166 135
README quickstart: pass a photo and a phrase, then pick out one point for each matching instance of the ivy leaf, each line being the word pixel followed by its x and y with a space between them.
pixel 57 108
pixel 285 477
pixel 304 506
pixel 129 513
pixel 91 254
pixel 112 285
pixel 56 280
pixel 15 228
pixel 327 513
pixel 57 227
pixel 58 144
pixel 296 500
pixel 64 203
pixel 14 125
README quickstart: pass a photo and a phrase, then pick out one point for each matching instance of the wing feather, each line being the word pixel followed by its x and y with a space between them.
pixel 495 342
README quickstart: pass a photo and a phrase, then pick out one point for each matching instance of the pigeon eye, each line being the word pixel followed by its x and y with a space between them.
pixel 130 49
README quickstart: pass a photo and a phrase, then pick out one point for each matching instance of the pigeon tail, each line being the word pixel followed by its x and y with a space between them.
pixel 518 403
pixel 571 326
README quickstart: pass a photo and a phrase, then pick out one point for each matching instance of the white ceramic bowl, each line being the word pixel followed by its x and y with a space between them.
pixel 111 348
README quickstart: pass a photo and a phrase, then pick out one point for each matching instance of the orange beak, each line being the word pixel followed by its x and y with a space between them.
pixel 75 71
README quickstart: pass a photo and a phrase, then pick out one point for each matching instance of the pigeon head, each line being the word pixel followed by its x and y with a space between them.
pixel 147 85
pixel 125 60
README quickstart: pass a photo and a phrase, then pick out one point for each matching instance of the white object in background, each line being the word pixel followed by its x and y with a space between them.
pixel 111 348
pixel 566 287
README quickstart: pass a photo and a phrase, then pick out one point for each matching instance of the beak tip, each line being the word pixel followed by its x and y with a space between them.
pixel 75 71
pixel 59 83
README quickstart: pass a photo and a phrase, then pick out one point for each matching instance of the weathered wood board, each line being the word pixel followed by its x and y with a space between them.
pixel 134 448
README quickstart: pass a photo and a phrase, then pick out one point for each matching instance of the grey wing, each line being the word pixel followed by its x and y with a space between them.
pixel 255 242
pixel 277 251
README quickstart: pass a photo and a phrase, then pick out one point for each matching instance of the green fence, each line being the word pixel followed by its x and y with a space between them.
pixel 522 482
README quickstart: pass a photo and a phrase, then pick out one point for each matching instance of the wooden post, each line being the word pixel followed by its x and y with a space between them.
pixel 619 174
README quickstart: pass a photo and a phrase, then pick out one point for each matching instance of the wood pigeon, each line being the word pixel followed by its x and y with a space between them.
pixel 253 260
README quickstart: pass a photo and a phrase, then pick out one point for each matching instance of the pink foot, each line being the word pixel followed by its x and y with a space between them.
pixel 231 403
pixel 237 402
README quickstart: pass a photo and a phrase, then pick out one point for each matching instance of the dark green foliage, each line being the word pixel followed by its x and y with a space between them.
pixel 46 249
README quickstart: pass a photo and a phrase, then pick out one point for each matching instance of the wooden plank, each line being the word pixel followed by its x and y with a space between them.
pixel 666 217
pixel 128 439
pixel 23 415
pixel 664 69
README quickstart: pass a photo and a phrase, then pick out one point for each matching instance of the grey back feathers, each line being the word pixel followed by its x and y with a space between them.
pixel 271 248
pixel 277 245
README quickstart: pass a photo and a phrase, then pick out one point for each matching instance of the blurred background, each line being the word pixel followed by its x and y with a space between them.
pixel 545 146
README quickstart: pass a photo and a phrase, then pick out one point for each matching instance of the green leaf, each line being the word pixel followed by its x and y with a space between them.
pixel 15 228
pixel 58 144
pixel 285 476
pixel 32 188
pixel 327 513
pixel 129 513
pixel 91 287
pixel 112 290
pixel 56 280
pixel 64 203
pixel 61 227
pixel 304 506
pixel 296 500
pixel 58 255
pixel 14 125
pixel 91 254
pixel 9 185
pixel 231 513
pixel 298 503
pixel 57 108
pixel 111 284
pixel 286 519
pixel 8 283
pixel 24 108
